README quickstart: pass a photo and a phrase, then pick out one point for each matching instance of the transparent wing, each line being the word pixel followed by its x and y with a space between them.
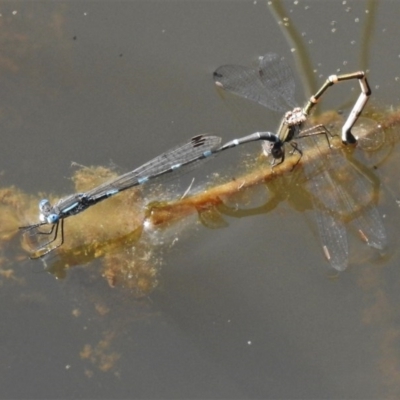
pixel 371 229
pixel 342 194
pixel 326 200
pixel 175 159
pixel 277 77
pixel 271 86
pixel 367 220
pixel 334 241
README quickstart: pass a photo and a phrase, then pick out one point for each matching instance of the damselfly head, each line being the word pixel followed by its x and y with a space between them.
pixel 47 214
pixel 277 150
pixel 273 148
pixel 49 218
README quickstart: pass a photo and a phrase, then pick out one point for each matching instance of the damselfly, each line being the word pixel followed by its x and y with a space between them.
pixel 198 148
pixel 272 86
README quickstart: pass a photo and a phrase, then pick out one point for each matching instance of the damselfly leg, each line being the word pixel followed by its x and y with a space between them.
pixel 56 231
pixel 347 136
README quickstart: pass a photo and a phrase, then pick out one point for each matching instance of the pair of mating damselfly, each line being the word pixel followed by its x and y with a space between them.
pixel 272 86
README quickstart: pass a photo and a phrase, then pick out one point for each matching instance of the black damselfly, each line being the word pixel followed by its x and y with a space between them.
pixel 199 148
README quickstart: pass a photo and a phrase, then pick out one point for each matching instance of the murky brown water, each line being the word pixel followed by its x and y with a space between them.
pixel 245 311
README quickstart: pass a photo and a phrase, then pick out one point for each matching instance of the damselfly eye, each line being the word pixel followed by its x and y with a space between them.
pixel 277 152
pixel 267 147
pixel 44 205
pixel 52 218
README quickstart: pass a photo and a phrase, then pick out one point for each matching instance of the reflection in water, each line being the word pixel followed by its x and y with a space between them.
pixel 127 256
pixel 129 251
pixel 122 238
pixel 381 314
pixel 342 195
pixel 301 50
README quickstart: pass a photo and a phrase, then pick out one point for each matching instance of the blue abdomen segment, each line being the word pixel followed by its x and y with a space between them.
pixel 143 180
pixel 71 207
pixel 112 192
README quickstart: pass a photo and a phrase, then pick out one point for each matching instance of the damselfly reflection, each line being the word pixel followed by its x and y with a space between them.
pixel 272 86
pixel 342 194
